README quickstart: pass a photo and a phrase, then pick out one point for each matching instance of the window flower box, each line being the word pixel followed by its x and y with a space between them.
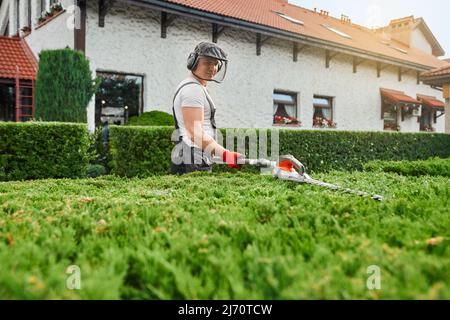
pixel 324 123
pixel 55 10
pixel 280 120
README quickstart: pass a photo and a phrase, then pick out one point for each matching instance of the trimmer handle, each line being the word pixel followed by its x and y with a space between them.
pixel 263 163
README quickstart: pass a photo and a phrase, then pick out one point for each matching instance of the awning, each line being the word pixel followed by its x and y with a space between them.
pixel 396 97
pixel 431 102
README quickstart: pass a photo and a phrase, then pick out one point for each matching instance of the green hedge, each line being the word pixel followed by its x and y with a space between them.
pixel 140 151
pixel 36 150
pixel 146 151
pixel 431 167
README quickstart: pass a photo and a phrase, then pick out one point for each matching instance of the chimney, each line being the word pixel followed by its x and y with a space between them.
pixel 324 13
pixel 345 19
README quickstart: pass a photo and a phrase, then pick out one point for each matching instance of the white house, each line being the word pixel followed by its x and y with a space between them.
pixel 285 61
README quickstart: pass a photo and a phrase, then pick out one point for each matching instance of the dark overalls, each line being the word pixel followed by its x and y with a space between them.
pixel 185 158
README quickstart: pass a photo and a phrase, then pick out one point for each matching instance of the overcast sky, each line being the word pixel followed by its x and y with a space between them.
pixel 372 13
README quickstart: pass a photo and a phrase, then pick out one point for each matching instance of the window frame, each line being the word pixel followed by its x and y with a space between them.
pixel 294 104
pixel 330 106
pixel 100 72
pixel 384 108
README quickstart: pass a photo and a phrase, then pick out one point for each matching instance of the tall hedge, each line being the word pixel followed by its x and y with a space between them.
pixel 35 150
pixel 64 86
pixel 146 151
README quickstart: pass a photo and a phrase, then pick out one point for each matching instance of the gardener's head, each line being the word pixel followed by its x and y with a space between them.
pixel 207 61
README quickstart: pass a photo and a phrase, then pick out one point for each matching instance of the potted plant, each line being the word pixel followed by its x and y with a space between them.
pixel 57 7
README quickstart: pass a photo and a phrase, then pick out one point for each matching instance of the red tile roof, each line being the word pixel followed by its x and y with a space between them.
pixel 443 71
pixel 397 96
pixel 14 52
pixel 430 101
pixel 262 12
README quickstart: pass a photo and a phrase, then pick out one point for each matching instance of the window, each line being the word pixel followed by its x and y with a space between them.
pixel 323 112
pixel 29 13
pixel 18 16
pixel 43 6
pixel 393 47
pixel 7 102
pixel 342 34
pixel 119 97
pixel 389 115
pixel 285 108
pixel 426 120
pixel 284 16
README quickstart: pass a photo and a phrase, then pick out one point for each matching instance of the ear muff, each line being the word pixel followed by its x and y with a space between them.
pixel 192 60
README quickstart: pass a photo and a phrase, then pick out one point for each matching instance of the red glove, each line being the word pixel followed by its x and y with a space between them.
pixel 231 158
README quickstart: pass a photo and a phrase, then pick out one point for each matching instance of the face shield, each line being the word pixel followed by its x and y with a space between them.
pixel 212 68
pixel 210 55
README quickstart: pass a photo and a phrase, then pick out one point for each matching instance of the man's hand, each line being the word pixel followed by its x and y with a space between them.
pixel 231 158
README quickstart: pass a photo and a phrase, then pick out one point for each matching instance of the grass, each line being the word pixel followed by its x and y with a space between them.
pixel 225 236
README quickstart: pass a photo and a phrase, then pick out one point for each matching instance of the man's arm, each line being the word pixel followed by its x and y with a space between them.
pixel 193 121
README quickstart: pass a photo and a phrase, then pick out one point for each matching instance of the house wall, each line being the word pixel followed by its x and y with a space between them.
pixel 54 35
pixel 419 41
pixel 130 42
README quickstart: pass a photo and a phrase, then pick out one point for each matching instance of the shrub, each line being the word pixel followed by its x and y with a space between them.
pixel 36 150
pixel 431 167
pixel 152 118
pixel 96 170
pixel 64 86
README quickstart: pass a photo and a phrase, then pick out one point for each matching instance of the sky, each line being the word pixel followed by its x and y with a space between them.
pixel 377 13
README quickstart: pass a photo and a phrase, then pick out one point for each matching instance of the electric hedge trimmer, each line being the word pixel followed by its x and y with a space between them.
pixel 289 168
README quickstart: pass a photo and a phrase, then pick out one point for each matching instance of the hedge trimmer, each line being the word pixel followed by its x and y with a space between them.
pixel 289 168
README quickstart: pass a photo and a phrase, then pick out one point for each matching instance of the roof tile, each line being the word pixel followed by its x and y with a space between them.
pixel 261 12
pixel 14 52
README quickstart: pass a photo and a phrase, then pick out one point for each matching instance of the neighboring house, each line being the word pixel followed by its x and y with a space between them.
pixel 440 77
pixel 18 68
pixel 286 62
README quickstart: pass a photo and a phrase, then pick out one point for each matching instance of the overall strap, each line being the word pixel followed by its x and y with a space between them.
pixel 211 106
pixel 173 102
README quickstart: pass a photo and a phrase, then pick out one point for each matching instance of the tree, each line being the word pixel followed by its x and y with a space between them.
pixel 64 86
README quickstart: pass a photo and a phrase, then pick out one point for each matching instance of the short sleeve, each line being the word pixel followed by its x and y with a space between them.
pixel 192 96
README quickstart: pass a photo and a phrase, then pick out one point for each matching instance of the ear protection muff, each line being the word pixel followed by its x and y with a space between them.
pixel 192 61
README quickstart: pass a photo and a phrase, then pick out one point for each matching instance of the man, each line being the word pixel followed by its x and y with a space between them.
pixel 194 111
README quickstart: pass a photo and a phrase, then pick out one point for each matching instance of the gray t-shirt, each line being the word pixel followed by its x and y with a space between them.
pixel 193 95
